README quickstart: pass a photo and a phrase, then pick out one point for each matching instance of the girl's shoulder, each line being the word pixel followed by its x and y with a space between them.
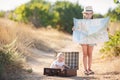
pixel 55 61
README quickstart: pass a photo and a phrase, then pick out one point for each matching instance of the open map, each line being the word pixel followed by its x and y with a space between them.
pixel 90 31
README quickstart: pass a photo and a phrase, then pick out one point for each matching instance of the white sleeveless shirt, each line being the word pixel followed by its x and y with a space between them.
pixel 60 64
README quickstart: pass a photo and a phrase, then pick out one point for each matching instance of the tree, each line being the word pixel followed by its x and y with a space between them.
pixel 67 11
pixel 98 16
pixel 42 13
pixel 37 13
pixel 114 14
pixel 116 1
pixel 22 13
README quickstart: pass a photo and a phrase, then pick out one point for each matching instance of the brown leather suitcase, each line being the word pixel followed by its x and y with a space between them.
pixel 58 72
pixel 68 73
pixel 51 71
pixel 71 60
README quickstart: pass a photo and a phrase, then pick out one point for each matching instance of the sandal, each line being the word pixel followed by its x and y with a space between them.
pixel 90 71
pixel 86 72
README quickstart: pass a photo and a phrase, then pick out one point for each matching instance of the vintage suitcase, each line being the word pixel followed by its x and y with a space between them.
pixel 68 73
pixel 51 71
pixel 71 60
pixel 58 72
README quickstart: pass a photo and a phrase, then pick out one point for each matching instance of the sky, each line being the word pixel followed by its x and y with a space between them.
pixel 11 4
pixel 99 6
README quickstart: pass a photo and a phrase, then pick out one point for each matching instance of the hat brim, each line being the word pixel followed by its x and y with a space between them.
pixel 87 12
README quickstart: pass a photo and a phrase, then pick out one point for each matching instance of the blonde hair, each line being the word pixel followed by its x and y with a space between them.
pixel 59 54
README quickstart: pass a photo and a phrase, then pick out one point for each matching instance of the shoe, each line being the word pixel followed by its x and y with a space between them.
pixel 90 71
pixel 86 72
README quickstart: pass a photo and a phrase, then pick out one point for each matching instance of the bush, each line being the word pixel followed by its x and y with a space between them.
pixel 37 13
pixel 67 11
pixel 9 55
pixel 114 14
pixel 41 13
pixel 2 14
pixel 10 60
pixel 112 47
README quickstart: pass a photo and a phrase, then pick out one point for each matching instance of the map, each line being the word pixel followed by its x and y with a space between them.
pixel 90 31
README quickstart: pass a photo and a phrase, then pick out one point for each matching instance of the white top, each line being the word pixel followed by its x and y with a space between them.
pixel 60 64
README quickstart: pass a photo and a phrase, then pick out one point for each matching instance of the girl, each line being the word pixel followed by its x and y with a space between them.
pixel 87 48
pixel 59 63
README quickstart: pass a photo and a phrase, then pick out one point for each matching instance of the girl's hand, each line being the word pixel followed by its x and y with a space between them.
pixel 62 69
pixel 108 29
pixel 73 28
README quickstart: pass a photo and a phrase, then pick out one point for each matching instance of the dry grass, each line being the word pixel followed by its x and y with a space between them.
pixel 7 35
pixel 115 63
pixel 114 26
pixel 44 39
pixel 14 41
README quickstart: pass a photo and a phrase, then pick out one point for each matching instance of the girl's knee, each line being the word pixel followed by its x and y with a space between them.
pixel 85 55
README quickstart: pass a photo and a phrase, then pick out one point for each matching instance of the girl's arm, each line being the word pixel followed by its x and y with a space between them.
pixel 73 28
pixel 66 66
pixel 57 66
pixel 107 29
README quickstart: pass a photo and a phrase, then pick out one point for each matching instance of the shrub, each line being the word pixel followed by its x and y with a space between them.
pixel 112 47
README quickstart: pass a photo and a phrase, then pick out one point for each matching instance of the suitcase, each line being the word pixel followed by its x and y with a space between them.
pixel 68 73
pixel 51 71
pixel 58 72
pixel 71 60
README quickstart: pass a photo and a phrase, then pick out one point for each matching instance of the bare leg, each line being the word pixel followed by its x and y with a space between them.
pixel 84 49
pixel 90 50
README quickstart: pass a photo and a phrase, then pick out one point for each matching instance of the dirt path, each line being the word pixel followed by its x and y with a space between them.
pixel 104 70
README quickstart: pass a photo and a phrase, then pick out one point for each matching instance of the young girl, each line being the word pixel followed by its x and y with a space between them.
pixel 87 48
pixel 59 63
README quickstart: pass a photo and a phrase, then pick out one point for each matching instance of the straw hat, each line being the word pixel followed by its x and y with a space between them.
pixel 88 9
